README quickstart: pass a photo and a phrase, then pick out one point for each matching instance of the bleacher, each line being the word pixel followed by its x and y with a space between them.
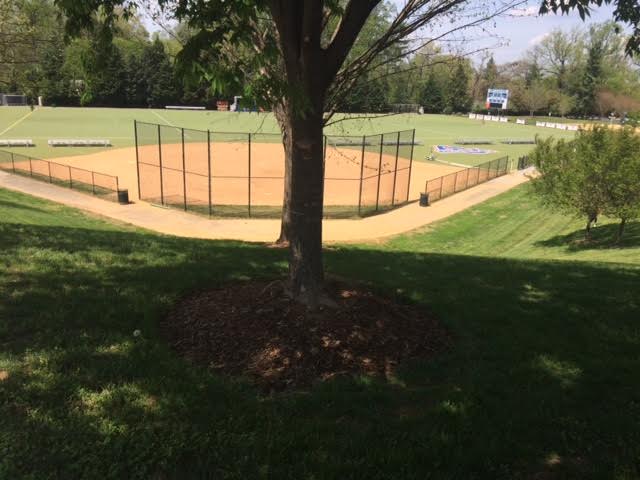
pixel 347 142
pixel 66 142
pixel 473 141
pixel 16 142
pixel 401 142
pixel 357 142
pixel 518 141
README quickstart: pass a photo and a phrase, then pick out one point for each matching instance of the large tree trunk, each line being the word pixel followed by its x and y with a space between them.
pixel 310 69
pixel 285 128
pixel 305 193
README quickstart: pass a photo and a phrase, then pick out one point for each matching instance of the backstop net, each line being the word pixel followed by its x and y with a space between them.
pixel 232 174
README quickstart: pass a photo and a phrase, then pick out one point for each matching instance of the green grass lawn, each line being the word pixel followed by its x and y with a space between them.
pixel 543 380
pixel 117 126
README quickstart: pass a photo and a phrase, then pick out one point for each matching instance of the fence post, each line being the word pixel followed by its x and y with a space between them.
pixel 184 172
pixel 466 185
pixel 379 170
pixel 135 136
pixel 70 179
pixel 413 140
pixel 13 163
pixel 50 179
pixel 31 168
pixel 361 175
pixel 160 162
pixel 324 158
pixel 209 168
pixel 478 168
pixel 324 151
pixel 395 172
pixel 93 183
pixel 442 185
pixel 249 183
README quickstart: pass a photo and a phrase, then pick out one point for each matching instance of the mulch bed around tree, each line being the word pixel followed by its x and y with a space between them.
pixel 253 329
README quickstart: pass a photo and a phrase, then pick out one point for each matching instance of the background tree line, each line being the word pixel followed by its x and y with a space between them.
pixel 584 72
pixel 125 66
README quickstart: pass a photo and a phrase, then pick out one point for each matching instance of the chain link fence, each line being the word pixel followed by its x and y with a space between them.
pixel 242 174
pixel 447 185
pixel 524 162
pixel 99 184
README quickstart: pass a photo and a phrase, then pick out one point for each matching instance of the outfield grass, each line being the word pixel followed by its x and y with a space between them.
pixel 117 126
pixel 543 380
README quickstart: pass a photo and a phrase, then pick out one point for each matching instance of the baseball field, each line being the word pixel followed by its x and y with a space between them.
pixel 356 177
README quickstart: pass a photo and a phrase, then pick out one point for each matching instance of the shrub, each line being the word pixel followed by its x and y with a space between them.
pixel 597 173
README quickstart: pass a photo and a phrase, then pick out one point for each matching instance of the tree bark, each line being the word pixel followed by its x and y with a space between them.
pixel 306 196
pixel 621 226
pixel 310 70
pixel 590 219
pixel 285 224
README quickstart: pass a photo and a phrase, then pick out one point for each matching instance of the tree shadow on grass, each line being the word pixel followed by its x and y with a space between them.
pixel 20 206
pixel 602 237
pixel 543 375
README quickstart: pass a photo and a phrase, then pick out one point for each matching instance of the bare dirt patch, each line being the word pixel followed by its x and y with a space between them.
pixel 230 169
pixel 254 330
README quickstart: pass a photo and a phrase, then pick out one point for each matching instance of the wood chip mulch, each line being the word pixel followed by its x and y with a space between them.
pixel 253 329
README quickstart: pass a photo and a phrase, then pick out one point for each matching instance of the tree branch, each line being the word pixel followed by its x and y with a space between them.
pixel 345 35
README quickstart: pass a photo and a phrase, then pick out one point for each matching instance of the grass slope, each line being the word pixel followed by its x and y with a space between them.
pixel 117 125
pixel 543 380
pixel 516 225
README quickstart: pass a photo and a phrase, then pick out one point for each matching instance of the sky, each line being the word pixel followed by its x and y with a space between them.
pixel 524 28
pixel 518 30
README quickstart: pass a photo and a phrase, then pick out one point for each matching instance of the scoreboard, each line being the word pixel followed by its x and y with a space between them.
pixel 497 98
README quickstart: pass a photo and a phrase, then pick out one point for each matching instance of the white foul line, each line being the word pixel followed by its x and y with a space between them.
pixel 16 122
pixel 169 123
pixel 162 118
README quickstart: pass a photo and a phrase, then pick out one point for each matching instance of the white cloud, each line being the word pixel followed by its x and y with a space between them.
pixel 538 38
pixel 531 11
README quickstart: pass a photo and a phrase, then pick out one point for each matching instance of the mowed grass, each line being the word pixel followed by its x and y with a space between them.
pixel 516 225
pixel 117 126
pixel 543 380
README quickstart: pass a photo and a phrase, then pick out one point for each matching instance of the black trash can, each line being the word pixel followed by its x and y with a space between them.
pixel 123 197
pixel 424 199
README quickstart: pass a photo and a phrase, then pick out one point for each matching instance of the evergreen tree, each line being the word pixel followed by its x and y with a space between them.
pixel 458 98
pixel 533 74
pixel 158 72
pixel 136 88
pixel 104 71
pixel 591 79
pixel 376 95
pixel 366 96
pixel 54 85
pixel 490 74
pixel 432 97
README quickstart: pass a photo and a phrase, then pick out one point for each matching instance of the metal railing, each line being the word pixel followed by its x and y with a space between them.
pixel 99 184
pixel 447 185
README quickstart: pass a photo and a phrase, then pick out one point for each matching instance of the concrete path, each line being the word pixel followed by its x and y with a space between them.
pixel 175 222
